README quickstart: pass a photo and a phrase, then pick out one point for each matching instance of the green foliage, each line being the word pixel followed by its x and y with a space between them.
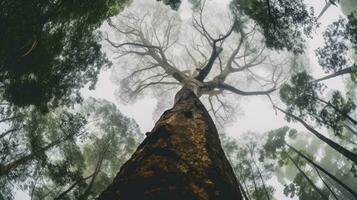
pixel 251 172
pixel 300 177
pixel 110 141
pixel 301 188
pixel 339 37
pixel 303 98
pixel 174 4
pixel 54 151
pixel 26 150
pixel 284 24
pixel 49 49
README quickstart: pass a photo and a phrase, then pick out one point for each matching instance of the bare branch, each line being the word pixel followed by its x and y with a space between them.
pixel 347 70
pixel 244 93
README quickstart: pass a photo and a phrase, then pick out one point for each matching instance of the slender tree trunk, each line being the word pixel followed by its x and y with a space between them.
pixel 348 154
pixel 323 170
pixel 346 115
pixel 243 191
pixel 70 188
pixel 348 127
pixel 326 185
pixel 244 186
pixel 97 169
pixel 7 168
pixel 180 159
pixel 253 179
pixel 261 178
pixel 307 178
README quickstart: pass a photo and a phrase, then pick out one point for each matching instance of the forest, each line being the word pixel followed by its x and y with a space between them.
pixel 178 100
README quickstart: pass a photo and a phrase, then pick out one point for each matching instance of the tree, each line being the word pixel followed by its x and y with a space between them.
pixel 24 152
pixel 309 172
pixel 304 97
pixel 251 171
pixel 157 57
pixel 49 50
pixel 283 23
pixel 181 158
pixel 98 157
pixel 150 40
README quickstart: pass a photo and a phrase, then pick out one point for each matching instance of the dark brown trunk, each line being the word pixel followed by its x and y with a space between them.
pixel 181 158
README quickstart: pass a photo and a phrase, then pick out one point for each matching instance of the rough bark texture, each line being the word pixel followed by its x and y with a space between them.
pixel 180 159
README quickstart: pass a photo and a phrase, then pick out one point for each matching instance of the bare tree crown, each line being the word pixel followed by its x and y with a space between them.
pixel 214 57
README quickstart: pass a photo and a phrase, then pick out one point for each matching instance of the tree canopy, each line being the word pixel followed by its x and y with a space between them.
pixel 50 49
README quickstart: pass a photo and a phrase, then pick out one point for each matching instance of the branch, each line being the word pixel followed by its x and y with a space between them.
pixel 206 70
pixel 244 93
pixel 132 44
pixel 216 50
pixel 347 70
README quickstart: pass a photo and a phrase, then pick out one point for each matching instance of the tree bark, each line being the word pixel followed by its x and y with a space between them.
pixel 181 158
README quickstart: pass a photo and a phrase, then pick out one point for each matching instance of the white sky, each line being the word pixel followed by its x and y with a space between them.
pixel 257 113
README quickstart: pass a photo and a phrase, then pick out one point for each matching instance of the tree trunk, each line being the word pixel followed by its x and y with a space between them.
pixel 261 178
pixel 181 158
pixel 307 178
pixel 325 184
pixel 333 177
pixel 348 154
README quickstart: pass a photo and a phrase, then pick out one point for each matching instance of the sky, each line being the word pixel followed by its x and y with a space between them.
pixel 255 114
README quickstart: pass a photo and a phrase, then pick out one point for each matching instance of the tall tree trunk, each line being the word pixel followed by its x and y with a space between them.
pixel 325 184
pixel 253 179
pixel 261 178
pixel 348 154
pixel 307 178
pixel 181 158
pixel 243 191
pixel 334 178
pixel 97 169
